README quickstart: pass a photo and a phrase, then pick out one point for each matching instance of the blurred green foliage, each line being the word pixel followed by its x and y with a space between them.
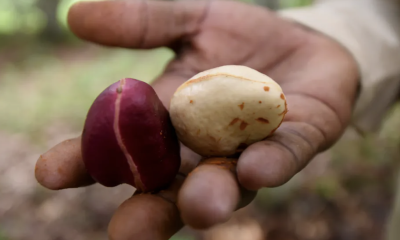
pixel 2 236
pixel 178 237
pixel 39 93
pixel 294 3
pixel 21 17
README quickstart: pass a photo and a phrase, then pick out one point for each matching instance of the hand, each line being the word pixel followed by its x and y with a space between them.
pixel 318 76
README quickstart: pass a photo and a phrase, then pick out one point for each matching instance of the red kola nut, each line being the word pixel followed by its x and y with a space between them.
pixel 128 138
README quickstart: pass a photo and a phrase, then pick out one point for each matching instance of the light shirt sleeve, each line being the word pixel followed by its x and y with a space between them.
pixel 370 31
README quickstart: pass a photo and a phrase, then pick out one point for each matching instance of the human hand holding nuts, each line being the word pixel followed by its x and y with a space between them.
pixel 318 80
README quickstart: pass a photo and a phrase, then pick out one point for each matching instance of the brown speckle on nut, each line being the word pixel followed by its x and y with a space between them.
pixel 243 125
pixel 262 120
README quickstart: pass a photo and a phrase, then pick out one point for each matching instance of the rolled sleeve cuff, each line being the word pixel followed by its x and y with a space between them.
pixel 370 31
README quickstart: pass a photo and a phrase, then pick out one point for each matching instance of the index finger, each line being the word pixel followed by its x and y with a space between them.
pixel 135 24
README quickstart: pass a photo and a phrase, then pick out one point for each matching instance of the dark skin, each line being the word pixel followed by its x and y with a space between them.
pixel 318 77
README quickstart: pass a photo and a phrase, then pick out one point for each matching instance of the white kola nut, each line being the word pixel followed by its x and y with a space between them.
pixel 221 111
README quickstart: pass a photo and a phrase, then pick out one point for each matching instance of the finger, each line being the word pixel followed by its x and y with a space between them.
pixel 310 127
pixel 147 216
pixel 62 167
pixel 211 193
pixel 135 23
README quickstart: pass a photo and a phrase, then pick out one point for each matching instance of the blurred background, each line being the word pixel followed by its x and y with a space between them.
pixel 48 79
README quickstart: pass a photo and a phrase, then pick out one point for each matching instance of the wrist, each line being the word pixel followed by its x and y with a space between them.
pixel 378 68
pixel 346 56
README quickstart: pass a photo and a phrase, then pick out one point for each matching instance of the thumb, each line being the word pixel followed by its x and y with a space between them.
pixel 136 23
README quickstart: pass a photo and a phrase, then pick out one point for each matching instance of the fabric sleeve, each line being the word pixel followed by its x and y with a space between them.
pixel 370 31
